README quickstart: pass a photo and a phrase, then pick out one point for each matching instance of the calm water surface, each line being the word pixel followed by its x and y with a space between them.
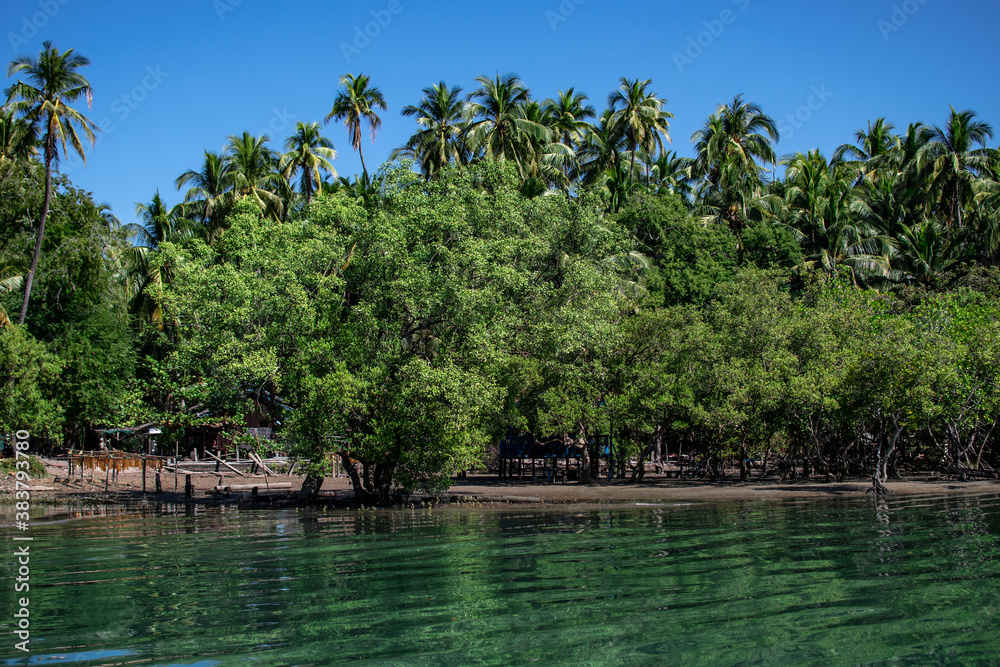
pixel 911 581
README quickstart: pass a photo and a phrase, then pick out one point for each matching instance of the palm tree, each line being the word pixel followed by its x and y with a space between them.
pixel 210 193
pixel 568 117
pixel 11 280
pixel 550 162
pixel 142 279
pixel 439 141
pixel 309 153
pixel 18 141
pixel 926 252
pixel 639 116
pixel 252 166
pixel 159 224
pixel 497 125
pixel 732 149
pixel 356 102
pixel 956 163
pixel 872 147
pixel 673 173
pixel 738 134
pixel 52 83
pixel 831 220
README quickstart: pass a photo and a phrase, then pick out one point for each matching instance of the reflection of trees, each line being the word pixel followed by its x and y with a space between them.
pixel 791 582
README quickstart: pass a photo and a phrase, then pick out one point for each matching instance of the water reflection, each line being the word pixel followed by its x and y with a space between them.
pixel 843 581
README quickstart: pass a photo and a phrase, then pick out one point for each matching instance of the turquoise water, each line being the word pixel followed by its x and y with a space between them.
pixel 912 581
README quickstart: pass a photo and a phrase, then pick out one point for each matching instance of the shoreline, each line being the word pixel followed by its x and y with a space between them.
pixel 484 490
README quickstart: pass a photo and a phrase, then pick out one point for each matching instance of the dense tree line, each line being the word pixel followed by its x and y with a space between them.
pixel 518 265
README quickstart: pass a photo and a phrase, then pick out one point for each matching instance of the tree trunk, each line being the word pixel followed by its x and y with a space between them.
pixel 586 476
pixel 310 488
pixel 30 278
pixel 653 446
pixel 364 491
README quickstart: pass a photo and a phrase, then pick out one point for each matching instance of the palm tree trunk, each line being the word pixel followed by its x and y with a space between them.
pixel 631 170
pixel 30 278
pixel 361 155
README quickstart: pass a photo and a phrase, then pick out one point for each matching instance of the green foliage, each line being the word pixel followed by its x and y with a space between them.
pixel 28 379
pixel 690 258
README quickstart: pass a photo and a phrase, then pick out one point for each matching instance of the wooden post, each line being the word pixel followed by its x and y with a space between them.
pixel 107 474
pixel 159 489
pixel 188 487
pixel 144 476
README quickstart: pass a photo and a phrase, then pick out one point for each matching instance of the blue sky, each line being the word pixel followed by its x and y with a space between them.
pixel 174 79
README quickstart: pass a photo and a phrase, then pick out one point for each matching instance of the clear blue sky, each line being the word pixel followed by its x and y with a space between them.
pixel 172 79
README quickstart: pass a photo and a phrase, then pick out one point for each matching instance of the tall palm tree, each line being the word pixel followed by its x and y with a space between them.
pixel 210 194
pixel 438 142
pixel 640 117
pixel 739 134
pixel 956 163
pixel 253 167
pixel 733 148
pixel 497 127
pixel 310 154
pixel 52 82
pixel 356 102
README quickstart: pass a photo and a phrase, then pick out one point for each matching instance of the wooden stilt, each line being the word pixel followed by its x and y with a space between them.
pixel 188 487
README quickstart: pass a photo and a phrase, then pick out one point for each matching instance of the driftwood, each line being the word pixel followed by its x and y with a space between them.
pixel 259 461
pixel 251 487
pixel 225 464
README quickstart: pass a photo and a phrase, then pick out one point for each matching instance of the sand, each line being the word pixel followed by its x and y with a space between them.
pixel 485 489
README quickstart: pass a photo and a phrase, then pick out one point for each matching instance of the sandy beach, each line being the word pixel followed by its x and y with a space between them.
pixel 486 489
